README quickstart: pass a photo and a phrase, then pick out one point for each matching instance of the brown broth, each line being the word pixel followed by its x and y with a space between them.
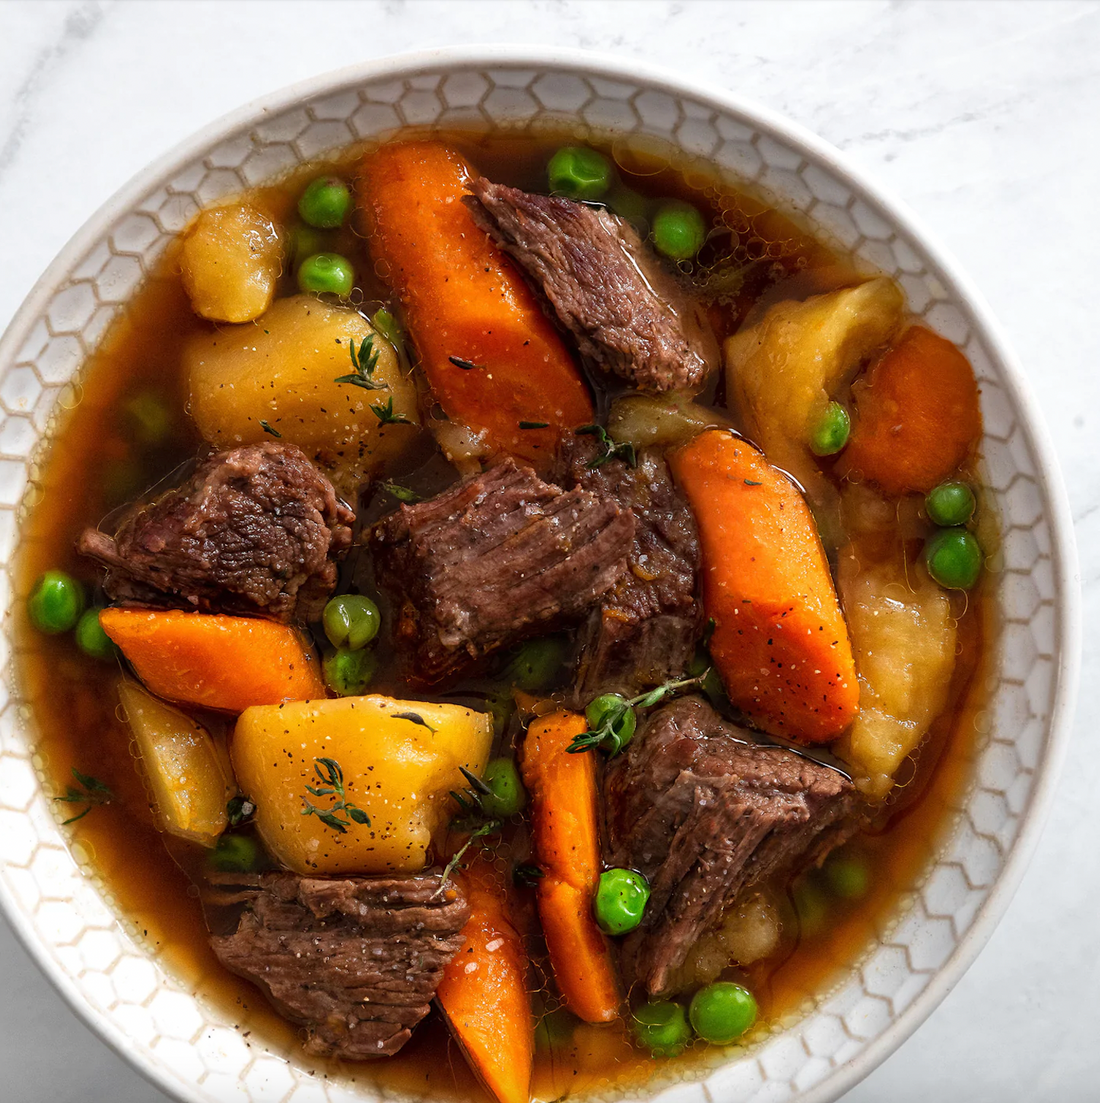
pixel 98 464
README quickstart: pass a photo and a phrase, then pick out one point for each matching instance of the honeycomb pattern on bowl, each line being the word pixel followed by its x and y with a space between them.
pixel 53 894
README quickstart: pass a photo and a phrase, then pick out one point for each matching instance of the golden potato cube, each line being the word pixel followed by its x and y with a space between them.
pixel 398 759
pixel 283 373
pixel 230 261
pixel 185 771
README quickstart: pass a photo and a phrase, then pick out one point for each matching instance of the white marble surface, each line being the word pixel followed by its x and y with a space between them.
pixel 982 116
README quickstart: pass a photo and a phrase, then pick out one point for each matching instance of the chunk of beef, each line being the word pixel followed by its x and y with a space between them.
pixel 606 287
pixel 355 961
pixel 255 530
pixel 646 627
pixel 494 559
pixel 705 813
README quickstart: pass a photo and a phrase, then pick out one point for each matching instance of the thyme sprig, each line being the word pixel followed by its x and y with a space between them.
pixel 364 360
pixel 332 785
pixel 610 450
pixel 469 799
pixel 486 828
pixel 384 413
pixel 91 792
pixel 616 718
pixel 401 493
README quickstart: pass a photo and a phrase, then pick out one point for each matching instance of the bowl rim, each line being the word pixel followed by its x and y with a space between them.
pixel 1063 551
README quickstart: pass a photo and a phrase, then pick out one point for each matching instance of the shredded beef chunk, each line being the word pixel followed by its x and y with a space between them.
pixel 497 558
pixel 255 530
pixel 647 625
pixel 355 961
pixel 626 312
pixel 704 813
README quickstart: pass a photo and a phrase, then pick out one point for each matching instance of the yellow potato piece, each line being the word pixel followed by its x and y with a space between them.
pixel 903 636
pixel 664 421
pixel 230 262
pixel 782 372
pixel 399 760
pixel 282 371
pixel 184 768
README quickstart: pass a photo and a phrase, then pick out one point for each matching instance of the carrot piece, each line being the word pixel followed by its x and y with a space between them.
pixel 214 661
pixel 464 300
pixel 917 415
pixel 564 824
pixel 780 642
pixel 483 993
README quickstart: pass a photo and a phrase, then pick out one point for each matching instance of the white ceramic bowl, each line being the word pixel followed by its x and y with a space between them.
pixel 65 916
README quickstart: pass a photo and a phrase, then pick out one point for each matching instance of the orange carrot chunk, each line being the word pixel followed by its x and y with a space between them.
pixel 214 661
pixel 565 827
pixel 483 993
pixel 780 642
pixel 491 356
pixel 917 415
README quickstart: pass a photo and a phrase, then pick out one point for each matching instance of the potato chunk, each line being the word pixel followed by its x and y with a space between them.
pixel 783 371
pixel 903 635
pixel 283 373
pixel 399 759
pixel 665 421
pixel 230 260
pixel 186 773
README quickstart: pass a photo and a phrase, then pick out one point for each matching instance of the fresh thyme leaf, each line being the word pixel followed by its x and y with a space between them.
pixel 92 792
pixel 401 493
pixel 605 733
pixel 749 482
pixel 267 429
pixel 611 450
pixel 239 810
pixel 534 425
pixel 476 784
pixel 414 718
pixel 331 776
pixel 364 361
pixel 485 829
pixel 527 876
pixel 385 413
pixel 465 365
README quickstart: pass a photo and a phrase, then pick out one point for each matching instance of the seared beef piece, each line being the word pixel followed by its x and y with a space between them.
pixel 494 559
pixel 607 288
pixel 255 530
pixel 355 961
pixel 704 813
pixel 645 630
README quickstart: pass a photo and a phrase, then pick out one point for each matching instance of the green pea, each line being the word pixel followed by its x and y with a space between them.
pixel 325 202
pixel 722 1012
pixel 506 795
pixel 661 1027
pixel 307 240
pixel 954 558
pixel 351 621
pixel 579 173
pixel 847 876
pixel 678 230
pixel 831 433
pixel 624 720
pixel 621 897
pixel 90 637
pixel 56 603
pixel 148 417
pixel 327 273
pixel 536 664
pixel 348 673
pixel 236 854
pixel 950 503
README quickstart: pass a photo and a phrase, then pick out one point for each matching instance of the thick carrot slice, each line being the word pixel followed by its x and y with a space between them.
pixel 917 415
pixel 491 356
pixel 214 661
pixel 483 993
pixel 567 841
pixel 780 642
